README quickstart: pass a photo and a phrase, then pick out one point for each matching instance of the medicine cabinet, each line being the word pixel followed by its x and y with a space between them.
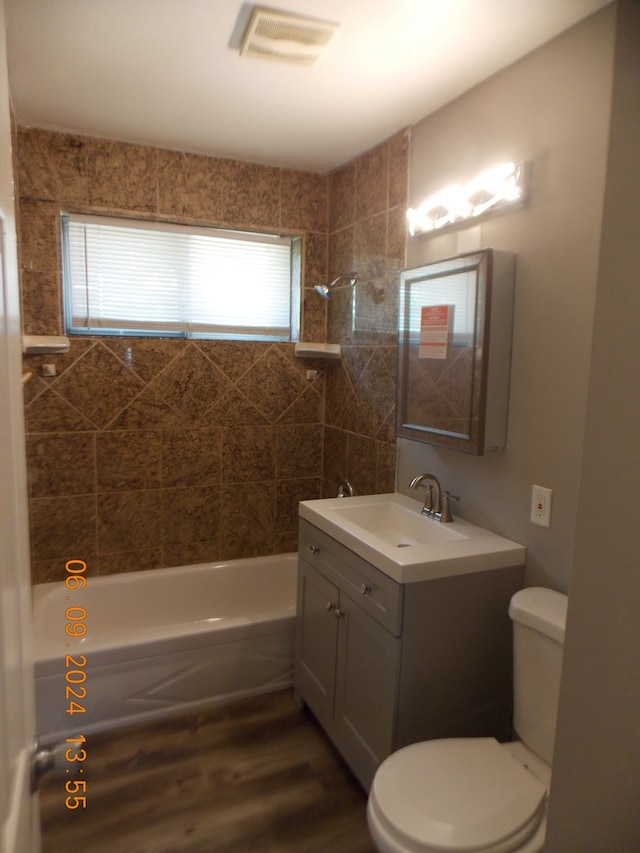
pixel 455 324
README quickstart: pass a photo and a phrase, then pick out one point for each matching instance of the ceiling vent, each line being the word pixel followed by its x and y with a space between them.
pixel 284 36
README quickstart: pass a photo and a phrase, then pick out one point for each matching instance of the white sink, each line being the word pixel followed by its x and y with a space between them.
pixel 390 532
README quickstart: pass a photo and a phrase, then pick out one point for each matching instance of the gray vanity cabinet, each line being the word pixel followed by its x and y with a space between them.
pixel 316 641
pixel 346 661
pixel 365 689
pixel 382 664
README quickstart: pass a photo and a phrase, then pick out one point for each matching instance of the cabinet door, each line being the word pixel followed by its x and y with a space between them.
pixel 316 642
pixel 366 689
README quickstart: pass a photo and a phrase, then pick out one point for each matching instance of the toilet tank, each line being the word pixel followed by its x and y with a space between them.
pixel 539 616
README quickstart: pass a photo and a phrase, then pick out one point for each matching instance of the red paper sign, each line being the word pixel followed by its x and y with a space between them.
pixel 434 331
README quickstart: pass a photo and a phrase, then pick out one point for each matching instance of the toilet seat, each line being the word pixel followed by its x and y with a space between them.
pixel 456 794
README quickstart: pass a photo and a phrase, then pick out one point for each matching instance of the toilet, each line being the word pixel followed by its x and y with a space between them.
pixel 476 794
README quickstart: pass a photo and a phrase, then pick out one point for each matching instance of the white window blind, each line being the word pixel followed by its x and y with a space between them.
pixel 130 276
pixel 456 289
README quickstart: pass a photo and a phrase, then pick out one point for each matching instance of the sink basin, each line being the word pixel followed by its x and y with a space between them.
pixel 397 524
pixel 390 532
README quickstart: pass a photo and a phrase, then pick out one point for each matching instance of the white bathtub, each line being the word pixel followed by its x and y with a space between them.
pixel 161 641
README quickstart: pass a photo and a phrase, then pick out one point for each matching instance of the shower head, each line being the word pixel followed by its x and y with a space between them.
pixel 324 290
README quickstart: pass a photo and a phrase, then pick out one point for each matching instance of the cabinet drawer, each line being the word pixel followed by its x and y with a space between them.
pixel 371 589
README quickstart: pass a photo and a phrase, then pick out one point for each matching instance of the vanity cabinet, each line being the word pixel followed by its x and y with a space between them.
pixel 346 669
pixel 382 664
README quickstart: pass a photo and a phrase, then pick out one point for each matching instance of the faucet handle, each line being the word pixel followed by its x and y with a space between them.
pixel 446 509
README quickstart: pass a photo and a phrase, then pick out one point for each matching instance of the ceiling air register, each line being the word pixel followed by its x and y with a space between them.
pixel 284 36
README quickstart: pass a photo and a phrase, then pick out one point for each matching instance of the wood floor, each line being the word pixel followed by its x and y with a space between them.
pixel 256 776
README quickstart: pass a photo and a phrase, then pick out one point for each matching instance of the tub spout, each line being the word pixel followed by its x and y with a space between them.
pixel 345 490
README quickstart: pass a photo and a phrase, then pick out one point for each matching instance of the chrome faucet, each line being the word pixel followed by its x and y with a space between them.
pixel 432 505
pixel 435 505
pixel 345 490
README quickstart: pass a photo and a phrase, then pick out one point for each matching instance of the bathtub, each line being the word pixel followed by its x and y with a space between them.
pixel 131 647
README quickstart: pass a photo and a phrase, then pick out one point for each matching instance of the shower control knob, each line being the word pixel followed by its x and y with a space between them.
pixel 315 549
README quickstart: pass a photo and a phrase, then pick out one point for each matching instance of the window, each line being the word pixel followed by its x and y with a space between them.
pixel 124 276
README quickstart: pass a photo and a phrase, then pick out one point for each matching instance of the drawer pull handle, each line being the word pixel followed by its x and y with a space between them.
pixel 315 549
pixel 364 588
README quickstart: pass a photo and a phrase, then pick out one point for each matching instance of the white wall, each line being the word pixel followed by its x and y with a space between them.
pixel 595 793
pixel 19 826
pixel 552 109
pixel 573 109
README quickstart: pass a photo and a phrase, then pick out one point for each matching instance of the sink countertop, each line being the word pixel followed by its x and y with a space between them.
pixel 387 531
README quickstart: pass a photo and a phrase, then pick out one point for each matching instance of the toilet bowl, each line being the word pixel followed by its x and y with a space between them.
pixel 471 794
pixel 476 794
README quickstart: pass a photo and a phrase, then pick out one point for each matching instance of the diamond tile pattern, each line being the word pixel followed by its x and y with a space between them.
pixel 189 426
pixel 191 384
pixel 272 384
pixel 99 385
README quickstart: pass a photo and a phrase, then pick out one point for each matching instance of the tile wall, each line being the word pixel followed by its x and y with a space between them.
pixel 154 452
pixel 367 234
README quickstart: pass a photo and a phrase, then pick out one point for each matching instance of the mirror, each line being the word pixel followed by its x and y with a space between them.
pixel 455 351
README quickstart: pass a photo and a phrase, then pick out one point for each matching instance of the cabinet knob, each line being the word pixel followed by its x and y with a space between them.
pixel 329 606
pixel 315 549
pixel 364 588
pixel 338 613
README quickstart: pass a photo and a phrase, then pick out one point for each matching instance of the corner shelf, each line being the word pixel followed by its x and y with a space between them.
pixel 41 344
pixel 317 350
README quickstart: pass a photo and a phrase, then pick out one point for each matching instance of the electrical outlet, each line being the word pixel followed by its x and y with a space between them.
pixel 541 506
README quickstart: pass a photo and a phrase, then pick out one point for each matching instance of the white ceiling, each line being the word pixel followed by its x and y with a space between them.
pixel 168 72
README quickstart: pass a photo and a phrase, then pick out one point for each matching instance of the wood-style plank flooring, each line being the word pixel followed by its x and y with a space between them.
pixel 255 776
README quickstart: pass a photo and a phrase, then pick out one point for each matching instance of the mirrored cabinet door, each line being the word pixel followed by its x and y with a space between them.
pixel 456 319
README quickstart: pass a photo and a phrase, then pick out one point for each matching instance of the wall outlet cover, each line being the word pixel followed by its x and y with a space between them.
pixel 541 506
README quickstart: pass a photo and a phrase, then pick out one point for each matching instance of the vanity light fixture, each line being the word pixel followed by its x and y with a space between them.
pixel 494 189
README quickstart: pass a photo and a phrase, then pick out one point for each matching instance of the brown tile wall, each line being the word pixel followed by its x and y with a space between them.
pixel 147 452
pixel 367 233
